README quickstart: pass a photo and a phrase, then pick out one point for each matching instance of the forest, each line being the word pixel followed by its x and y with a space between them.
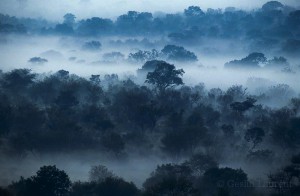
pixel 196 103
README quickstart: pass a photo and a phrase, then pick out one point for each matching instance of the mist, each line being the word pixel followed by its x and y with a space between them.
pixel 142 97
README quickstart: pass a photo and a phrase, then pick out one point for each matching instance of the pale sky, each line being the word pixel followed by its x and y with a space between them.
pixel 55 9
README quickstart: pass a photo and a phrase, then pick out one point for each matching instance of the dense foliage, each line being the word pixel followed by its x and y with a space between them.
pixel 274 25
pixel 63 112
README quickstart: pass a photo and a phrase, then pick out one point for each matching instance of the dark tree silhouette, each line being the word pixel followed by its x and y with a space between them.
pixel 64 29
pixel 99 173
pixel 254 135
pixel 193 11
pixel 243 106
pixel 272 5
pixel 143 56
pixel 18 79
pixel 48 181
pixel 169 180
pixel 94 26
pixel 165 75
pixel 69 19
pixel 253 60
pixel 277 62
pixel 178 53
pixel 5 192
pixel 66 99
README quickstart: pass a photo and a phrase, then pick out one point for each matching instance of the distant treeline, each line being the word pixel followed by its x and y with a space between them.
pixel 266 27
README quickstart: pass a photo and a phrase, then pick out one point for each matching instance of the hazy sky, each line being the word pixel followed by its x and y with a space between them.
pixel 55 9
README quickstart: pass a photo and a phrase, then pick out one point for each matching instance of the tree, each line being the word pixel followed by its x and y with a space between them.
pixel 62 74
pixel 94 26
pixel 99 173
pixel 134 23
pixel 66 99
pixel 164 76
pixel 178 53
pixel 143 56
pixel 97 118
pixel 272 5
pixel 199 163
pixel 278 62
pixel 243 106
pixel 92 46
pixel 170 179
pixel 4 192
pixel 48 181
pixel 95 79
pixel 64 29
pixel 193 11
pixel 254 135
pixel 18 79
pixel 253 60
pixel 69 19
pixel 149 66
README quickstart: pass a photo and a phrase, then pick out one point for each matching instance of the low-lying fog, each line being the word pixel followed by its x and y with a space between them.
pixel 78 165
pixel 67 53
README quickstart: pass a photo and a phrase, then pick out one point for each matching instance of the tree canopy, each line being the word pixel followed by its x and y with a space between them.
pixel 165 75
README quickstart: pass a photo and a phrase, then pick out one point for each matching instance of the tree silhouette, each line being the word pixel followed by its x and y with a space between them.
pixel 253 60
pixel 169 179
pixel 69 19
pixel 254 135
pixel 99 173
pixel 18 79
pixel 48 181
pixel 165 75
pixel 178 53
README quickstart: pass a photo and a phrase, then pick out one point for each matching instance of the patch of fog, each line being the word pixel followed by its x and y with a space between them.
pixel 67 53
pixel 214 77
pixel 77 166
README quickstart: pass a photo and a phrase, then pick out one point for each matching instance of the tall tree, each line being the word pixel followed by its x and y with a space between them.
pixel 164 76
